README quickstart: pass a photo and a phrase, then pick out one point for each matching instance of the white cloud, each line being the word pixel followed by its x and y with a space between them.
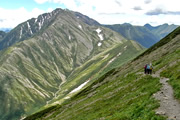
pixel 42 1
pixel 50 9
pixel 11 18
pixel 120 11
pixel 105 11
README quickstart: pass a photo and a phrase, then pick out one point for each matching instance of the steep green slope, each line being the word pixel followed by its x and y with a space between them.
pixel 97 66
pixel 124 93
pixel 34 71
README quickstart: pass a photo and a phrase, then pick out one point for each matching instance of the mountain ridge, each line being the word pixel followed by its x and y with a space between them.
pixel 146 35
pixel 34 69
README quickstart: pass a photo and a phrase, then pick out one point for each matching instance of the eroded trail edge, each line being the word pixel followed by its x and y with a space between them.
pixel 169 106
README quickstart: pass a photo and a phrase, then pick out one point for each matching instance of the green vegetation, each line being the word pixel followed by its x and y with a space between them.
pixel 99 65
pixel 62 56
pixel 125 93
pixel 119 98
pixel 172 71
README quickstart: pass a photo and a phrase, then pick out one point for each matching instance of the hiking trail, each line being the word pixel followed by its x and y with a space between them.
pixel 169 106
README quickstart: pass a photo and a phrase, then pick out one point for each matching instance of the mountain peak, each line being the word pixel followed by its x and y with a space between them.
pixel 148 26
pixel 126 24
pixel 35 26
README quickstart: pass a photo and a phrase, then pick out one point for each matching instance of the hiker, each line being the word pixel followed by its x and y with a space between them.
pixel 151 68
pixel 148 69
pixel 145 69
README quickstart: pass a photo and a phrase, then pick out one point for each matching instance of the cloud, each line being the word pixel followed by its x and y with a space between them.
pixel 137 12
pixel 42 1
pixel 10 18
pixel 147 1
pixel 137 8
pixel 156 11
pixel 111 13
pixel 118 2
pixel 159 11
pixel 1 20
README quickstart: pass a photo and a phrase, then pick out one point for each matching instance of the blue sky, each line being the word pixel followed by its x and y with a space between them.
pixel 136 12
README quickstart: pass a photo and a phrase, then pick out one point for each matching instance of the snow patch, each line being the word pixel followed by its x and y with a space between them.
pixel 69 37
pixel 42 20
pixel 41 50
pixel 78 88
pixel 98 30
pixel 29 28
pixel 99 44
pixel 80 27
pixel 125 47
pixel 99 33
pixel 35 20
pixel 111 60
pixel 105 56
pixel 20 33
pixel 77 17
pixel 67 97
pixel 101 37
pixel 119 54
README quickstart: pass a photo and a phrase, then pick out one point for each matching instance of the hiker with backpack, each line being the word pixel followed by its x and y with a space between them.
pixel 151 68
pixel 148 68
pixel 145 69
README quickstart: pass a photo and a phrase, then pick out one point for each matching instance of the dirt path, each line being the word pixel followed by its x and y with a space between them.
pixel 169 106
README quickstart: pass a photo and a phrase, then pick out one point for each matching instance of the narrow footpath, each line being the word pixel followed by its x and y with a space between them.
pixel 169 106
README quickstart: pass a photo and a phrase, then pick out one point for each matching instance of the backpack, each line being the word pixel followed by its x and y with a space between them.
pixel 151 67
pixel 145 66
pixel 148 67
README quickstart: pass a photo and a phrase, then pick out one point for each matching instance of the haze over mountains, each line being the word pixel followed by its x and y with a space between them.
pixel 47 60
pixel 146 35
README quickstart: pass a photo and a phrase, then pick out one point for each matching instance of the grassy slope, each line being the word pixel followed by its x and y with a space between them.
pixel 97 66
pixel 123 93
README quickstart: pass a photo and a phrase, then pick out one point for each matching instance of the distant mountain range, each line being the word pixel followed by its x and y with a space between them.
pixel 146 35
pixel 5 29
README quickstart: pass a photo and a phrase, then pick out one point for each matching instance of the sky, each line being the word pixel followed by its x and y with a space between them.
pixel 136 12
